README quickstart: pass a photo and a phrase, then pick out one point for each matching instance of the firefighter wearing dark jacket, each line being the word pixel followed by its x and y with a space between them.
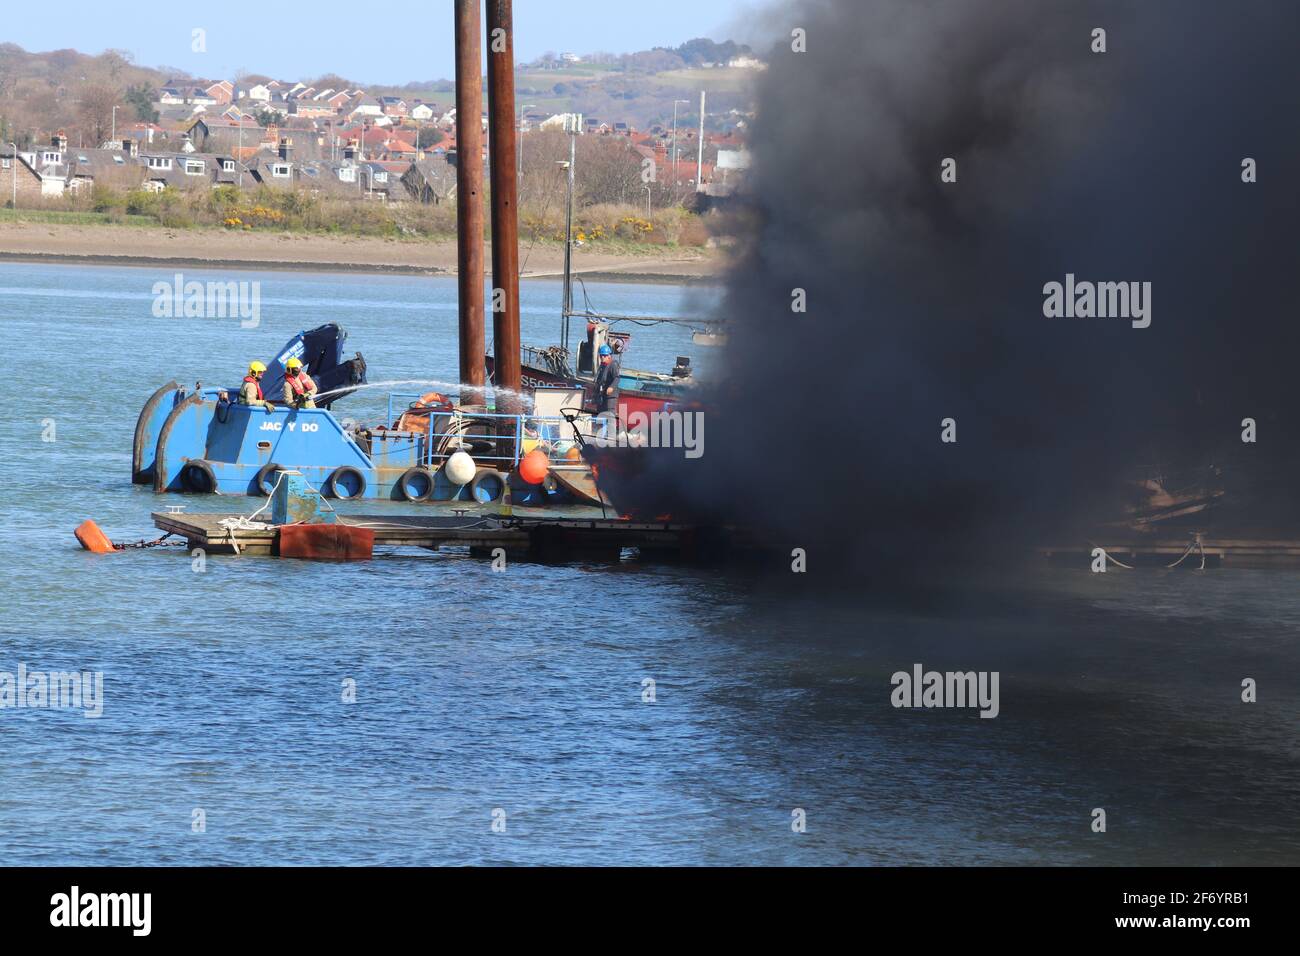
pixel 298 386
pixel 607 381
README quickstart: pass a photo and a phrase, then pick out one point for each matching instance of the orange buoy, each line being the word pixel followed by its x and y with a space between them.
pixel 573 454
pixel 534 466
pixel 92 539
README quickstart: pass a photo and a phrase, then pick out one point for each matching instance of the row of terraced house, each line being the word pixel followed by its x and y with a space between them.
pixel 214 156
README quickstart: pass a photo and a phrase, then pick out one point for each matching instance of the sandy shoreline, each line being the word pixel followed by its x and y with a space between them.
pixel 204 248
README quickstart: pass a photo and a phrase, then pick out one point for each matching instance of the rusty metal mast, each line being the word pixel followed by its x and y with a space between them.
pixel 469 196
pixel 505 220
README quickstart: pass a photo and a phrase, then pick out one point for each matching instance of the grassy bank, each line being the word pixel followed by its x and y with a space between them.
pixel 611 228
pixel 72 217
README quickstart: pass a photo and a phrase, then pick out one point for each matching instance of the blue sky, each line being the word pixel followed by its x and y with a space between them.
pixel 392 41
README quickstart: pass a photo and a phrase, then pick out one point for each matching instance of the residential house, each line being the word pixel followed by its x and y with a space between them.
pixel 259 92
pixel 422 112
pixel 329 179
pixel 144 132
pixel 360 106
pixel 310 109
pixel 272 170
pixel 117 168
pixel 394 106
pixel 18 177
pixel 431 181
pixel 383 181
pixel 50 164
pixel 222 91
pixel 189 171
pixel 217 135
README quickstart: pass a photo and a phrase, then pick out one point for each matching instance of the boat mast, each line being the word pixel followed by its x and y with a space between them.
pixel 567 308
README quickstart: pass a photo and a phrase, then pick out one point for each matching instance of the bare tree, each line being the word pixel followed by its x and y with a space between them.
pixel 96 111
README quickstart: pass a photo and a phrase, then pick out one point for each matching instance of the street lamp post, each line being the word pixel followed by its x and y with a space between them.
pixel 519 165
pixel 113 135
pixel 674 150
pixel 13 164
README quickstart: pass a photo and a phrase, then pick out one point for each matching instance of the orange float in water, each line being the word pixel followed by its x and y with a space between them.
pixel 92 539
pixel 534 466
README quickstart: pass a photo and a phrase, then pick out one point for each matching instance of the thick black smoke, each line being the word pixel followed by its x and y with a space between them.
pixel 925 298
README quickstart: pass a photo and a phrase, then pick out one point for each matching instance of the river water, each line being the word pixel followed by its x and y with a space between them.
pixel 519 698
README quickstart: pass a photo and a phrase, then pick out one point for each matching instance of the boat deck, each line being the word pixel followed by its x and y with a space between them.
pixel 535 537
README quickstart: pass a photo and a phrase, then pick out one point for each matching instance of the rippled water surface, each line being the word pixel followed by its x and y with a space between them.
pixel 522 691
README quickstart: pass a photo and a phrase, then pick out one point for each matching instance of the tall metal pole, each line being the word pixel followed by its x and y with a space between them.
pixel 519 170
pixel 674 156
pixel 505 220
pixel 568 224
pixel 567 309
pixel 469 198
pixel 699 163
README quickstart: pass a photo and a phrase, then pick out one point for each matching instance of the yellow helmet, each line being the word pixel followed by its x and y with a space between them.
pixel 256 366
pixel 293 363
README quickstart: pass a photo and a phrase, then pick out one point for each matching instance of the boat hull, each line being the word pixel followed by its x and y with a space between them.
pixel 630 399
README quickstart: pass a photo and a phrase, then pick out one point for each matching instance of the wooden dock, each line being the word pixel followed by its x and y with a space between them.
pixel 534 538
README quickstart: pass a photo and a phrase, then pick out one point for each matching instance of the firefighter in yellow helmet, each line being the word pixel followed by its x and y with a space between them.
pixel 298 386
pixel 250 393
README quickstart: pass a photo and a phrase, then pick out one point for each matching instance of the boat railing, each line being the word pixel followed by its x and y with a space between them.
pixel 500 438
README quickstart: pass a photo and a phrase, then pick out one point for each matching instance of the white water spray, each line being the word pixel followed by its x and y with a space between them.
pixel 433 382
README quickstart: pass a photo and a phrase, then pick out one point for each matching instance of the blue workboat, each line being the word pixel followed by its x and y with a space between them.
pixel 203 441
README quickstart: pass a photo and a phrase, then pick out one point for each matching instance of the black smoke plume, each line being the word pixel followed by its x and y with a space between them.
pixel 925 298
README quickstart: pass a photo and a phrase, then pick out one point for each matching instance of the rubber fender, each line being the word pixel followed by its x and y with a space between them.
pixel 340 477
pixel 92 539
pixel 197 476
pixel 416 484
pixel 263 481
pixel 488 486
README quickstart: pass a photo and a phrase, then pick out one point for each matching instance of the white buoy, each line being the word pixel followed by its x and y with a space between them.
pixel 460 469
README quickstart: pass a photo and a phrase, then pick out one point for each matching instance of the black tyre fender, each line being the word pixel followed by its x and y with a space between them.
pixel 262 482
pixel 408 484
pixel 197 477
pixel 343 472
